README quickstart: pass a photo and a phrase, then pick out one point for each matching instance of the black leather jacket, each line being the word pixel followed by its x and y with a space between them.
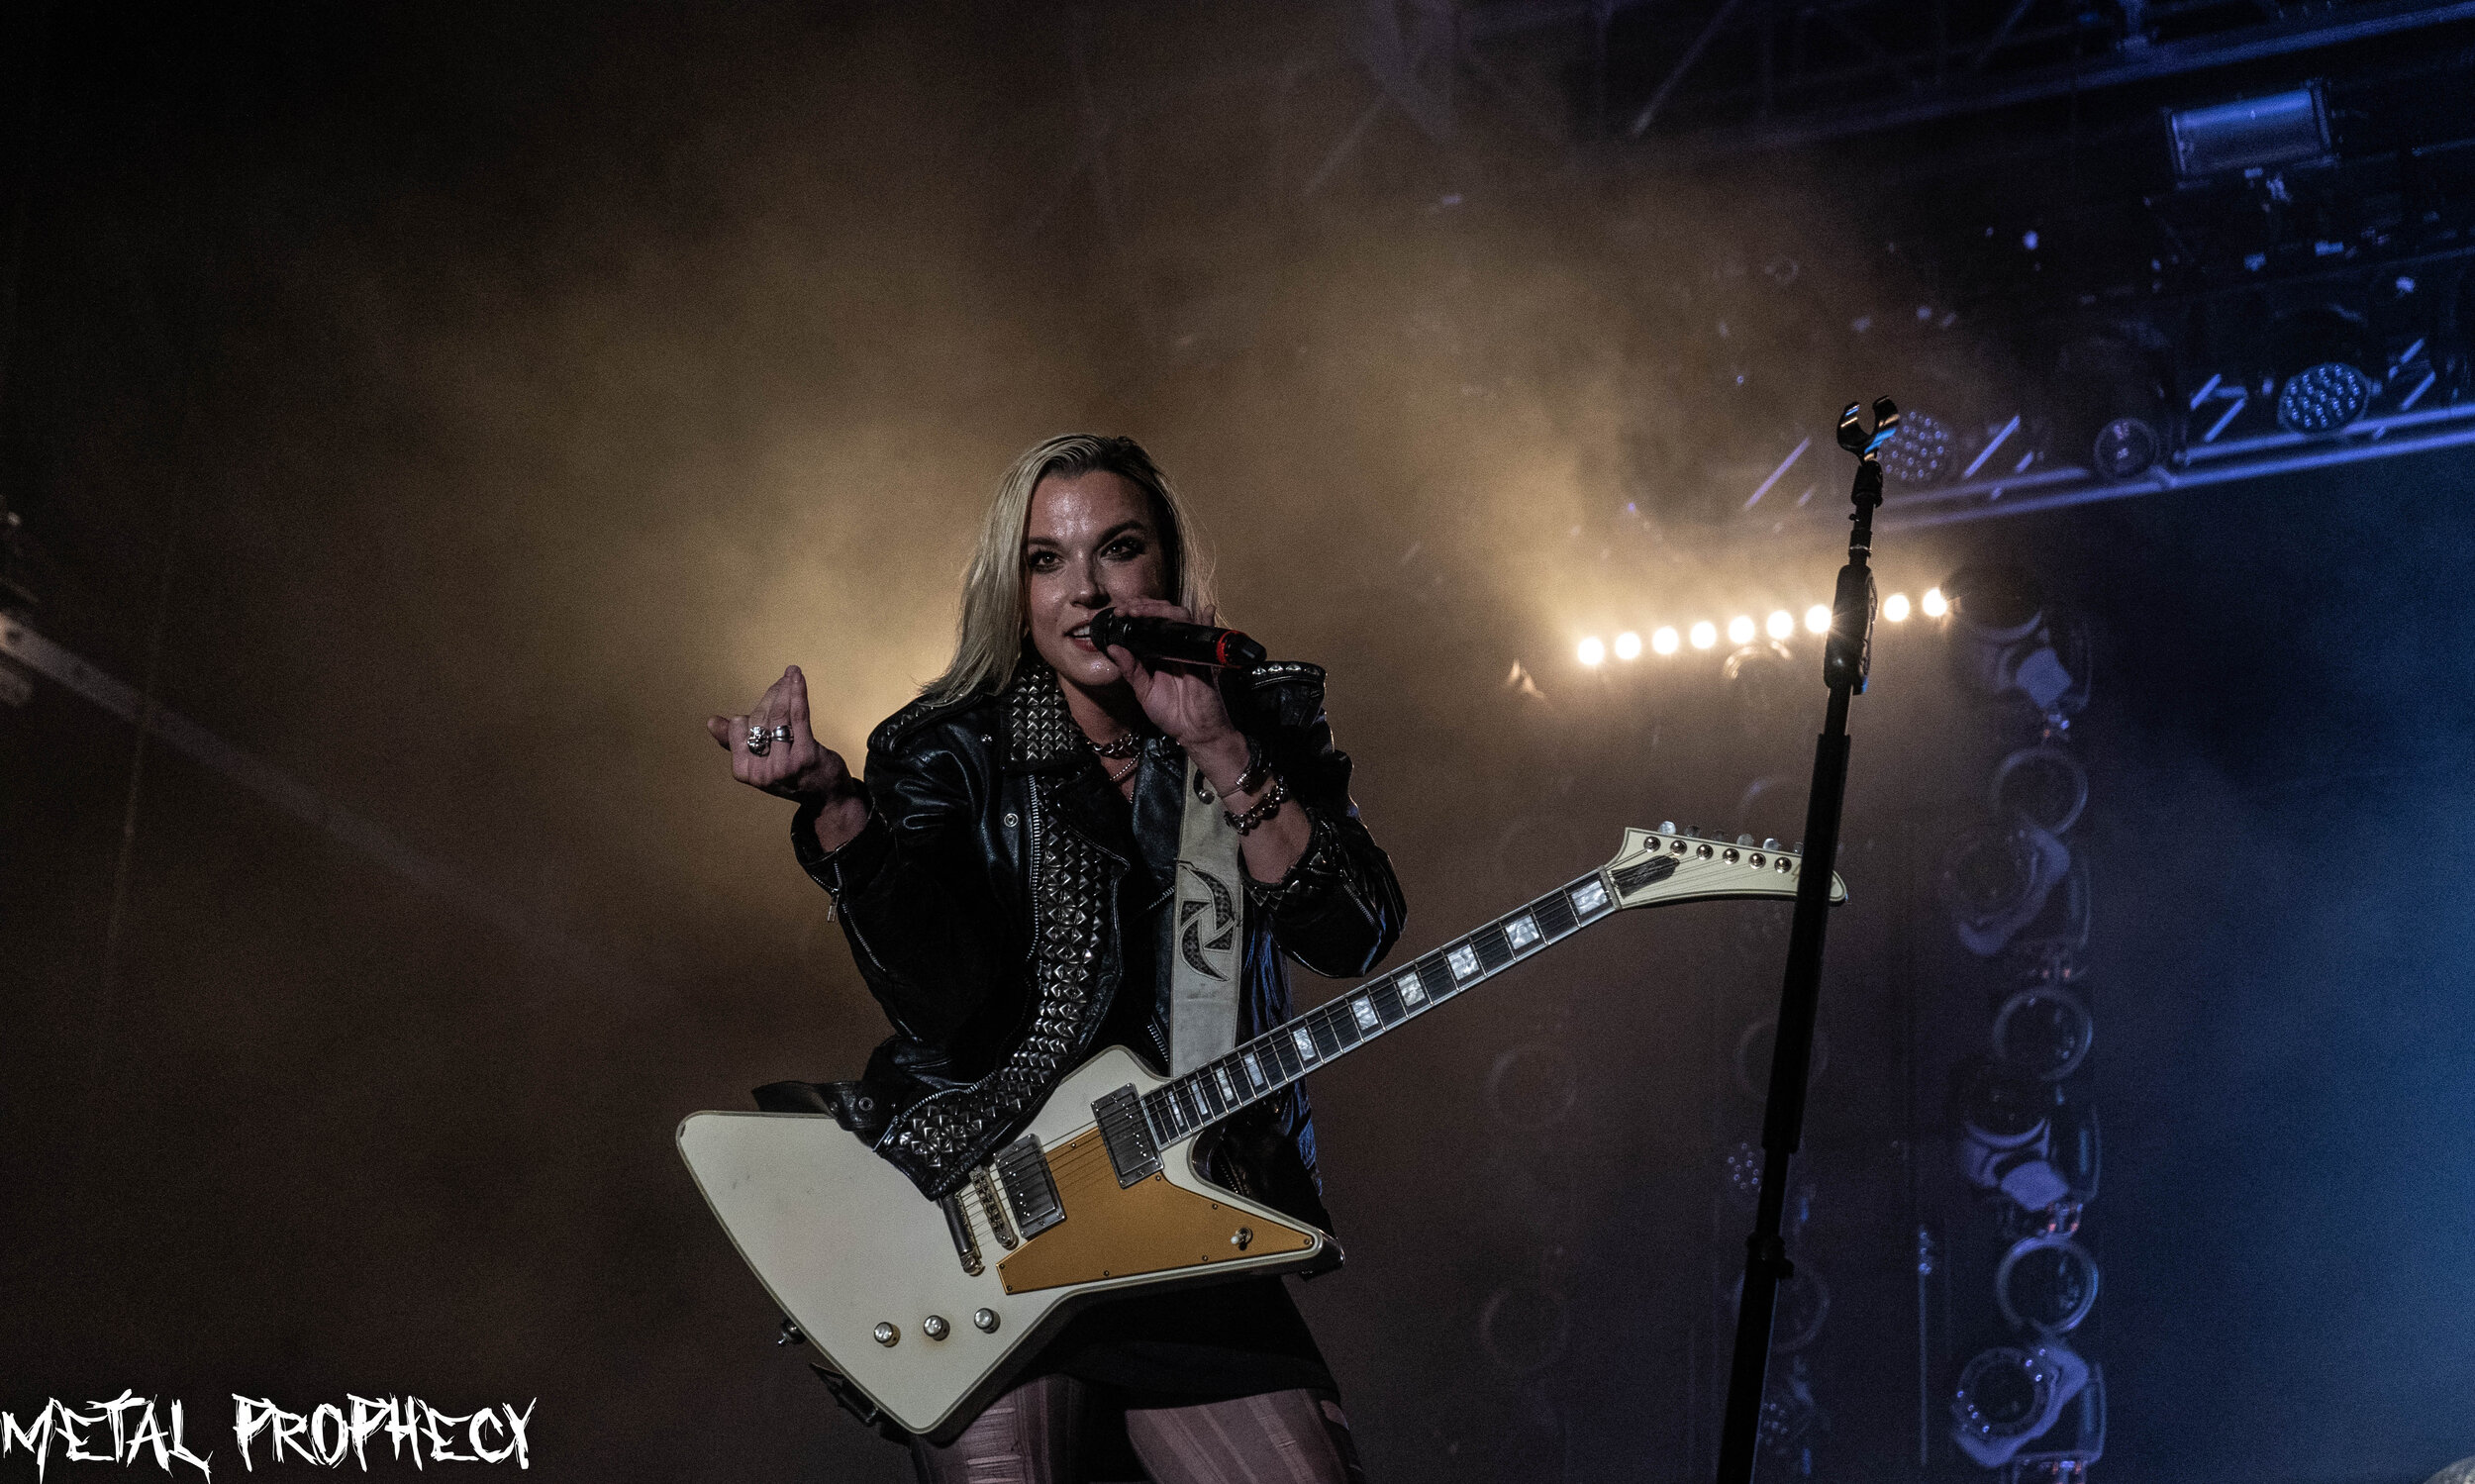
pixel 989 898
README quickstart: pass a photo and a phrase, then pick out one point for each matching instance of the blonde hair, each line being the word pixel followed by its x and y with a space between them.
pixel 988 637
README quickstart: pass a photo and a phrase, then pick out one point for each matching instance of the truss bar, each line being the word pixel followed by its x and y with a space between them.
pixel 2090 490
pixel 1692 53
pixel 1785 465
pixel 2304 32
pixel 2002 33
pixel 304 803
pixel 1341 148
pixel 2401 421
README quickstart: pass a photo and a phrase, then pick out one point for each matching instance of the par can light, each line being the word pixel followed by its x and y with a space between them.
pixel 2324 399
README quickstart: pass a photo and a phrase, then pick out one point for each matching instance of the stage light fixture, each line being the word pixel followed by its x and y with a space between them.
pixel 2323 399
pixel 2005 644
pixel 2043 1030
pixel 2046 1283
pixel 1817 619
pixel 1921 453
pixel 2108 392
pixel 2124 447
pixel 2009 1396
pixel 1663 640
pixel 1995 879
pixel 1934 603
pixel 1781 624
pixel 1593 651
pixel 1894 608
pixel 2281 129
pixel 1628 646
pixel 1705 635
pixel 1740 630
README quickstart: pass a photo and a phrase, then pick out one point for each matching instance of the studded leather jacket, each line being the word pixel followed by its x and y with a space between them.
pixel 991 897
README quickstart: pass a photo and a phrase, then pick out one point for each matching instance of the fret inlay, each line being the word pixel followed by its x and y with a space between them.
pixel 1521 932
pixel 1255 1070
pixel 1227 1091
pixel 1589 896
pixel 1464 962
pixel 1306 1042
pixel 1365 1013
pixel 1410 992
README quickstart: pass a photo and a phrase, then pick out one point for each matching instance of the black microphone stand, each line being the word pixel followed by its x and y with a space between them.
pixel 1843 666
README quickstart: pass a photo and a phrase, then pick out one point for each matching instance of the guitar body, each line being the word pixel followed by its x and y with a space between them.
pixel 930 1307
pixel 844 1243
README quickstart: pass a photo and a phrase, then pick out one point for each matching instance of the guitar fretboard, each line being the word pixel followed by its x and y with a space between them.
pixel 1260 1068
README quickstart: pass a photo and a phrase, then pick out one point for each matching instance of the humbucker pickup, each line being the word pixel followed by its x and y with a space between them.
pixel 1128 1134
pixel 1029 1189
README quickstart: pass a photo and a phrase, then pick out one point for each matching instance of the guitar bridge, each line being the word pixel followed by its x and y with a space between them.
pixel 1128 1135
pixel 958 1225
pixel 995 1208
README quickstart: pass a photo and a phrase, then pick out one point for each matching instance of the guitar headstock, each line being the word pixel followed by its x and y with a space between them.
pixel 1654 869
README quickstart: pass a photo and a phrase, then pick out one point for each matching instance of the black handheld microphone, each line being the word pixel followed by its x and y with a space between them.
pixel 1180 643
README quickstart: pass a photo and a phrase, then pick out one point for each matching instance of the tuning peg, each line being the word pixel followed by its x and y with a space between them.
pixel 1744 840
pixel 1666 827
pixel 1768 844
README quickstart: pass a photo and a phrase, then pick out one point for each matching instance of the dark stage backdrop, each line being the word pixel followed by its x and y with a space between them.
pixel 449 407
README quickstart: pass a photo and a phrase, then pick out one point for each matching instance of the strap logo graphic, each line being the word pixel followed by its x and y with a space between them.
pixel 1223 909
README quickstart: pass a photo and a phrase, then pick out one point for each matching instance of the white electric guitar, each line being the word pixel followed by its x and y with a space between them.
pixel 928 1306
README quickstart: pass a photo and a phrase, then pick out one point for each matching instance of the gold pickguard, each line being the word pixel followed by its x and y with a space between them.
pixel 1149 1226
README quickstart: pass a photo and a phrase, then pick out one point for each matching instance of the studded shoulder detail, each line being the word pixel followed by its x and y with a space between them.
pixel 1286 671
pixel 889 734
pixel 1040 734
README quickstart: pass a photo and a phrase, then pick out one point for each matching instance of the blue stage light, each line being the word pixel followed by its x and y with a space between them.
pixel 2324 399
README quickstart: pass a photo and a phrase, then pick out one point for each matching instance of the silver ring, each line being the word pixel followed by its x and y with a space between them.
pixel 781 734
pixel 758 742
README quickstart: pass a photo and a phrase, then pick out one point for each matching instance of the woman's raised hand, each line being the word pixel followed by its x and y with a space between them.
pixel 791 767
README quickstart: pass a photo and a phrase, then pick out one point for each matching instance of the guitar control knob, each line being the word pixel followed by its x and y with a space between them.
pixel 985 1319
pixel 934 1327
pixel 1242 1238
pixel 886 1335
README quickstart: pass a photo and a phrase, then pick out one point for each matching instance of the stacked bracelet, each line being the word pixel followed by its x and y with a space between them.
pixel 1259 768
pixel 1264 808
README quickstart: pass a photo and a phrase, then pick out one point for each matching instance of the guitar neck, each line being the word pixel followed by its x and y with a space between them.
pixel 1258 1068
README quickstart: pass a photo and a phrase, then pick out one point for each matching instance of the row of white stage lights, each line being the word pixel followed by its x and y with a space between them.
pixel 1664 641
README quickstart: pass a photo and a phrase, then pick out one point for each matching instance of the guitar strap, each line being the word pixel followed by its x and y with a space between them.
pixel 1209 932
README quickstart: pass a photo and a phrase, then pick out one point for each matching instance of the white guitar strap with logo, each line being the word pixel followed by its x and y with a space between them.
pixel 1208 932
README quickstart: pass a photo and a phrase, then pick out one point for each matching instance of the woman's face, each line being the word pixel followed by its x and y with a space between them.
pixel 1091 542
